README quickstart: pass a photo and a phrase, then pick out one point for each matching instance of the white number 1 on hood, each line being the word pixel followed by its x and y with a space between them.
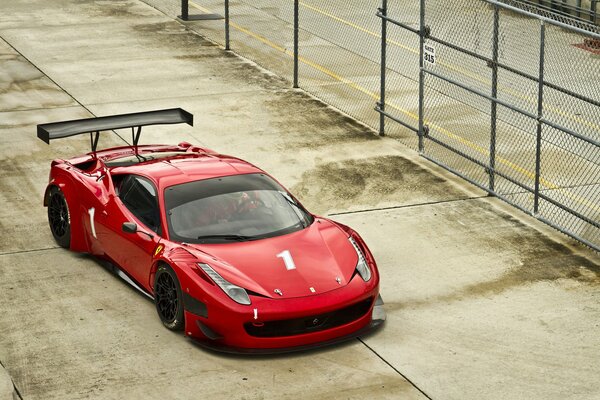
pixel 287 259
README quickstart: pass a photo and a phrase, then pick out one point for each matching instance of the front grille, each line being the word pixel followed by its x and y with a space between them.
pixel 314 323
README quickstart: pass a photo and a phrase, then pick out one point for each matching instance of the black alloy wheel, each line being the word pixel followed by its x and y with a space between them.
pixel 168 298
pixel 59 218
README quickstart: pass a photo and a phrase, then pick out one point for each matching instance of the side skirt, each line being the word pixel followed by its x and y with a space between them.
pixel 130 281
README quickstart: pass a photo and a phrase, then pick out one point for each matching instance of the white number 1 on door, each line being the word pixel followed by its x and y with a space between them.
pixel 287 259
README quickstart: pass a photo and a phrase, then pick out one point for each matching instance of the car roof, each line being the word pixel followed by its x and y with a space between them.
pixel 189 167
pixel 170 165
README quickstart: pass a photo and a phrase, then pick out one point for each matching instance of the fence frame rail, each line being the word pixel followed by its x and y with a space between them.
pixel 423 131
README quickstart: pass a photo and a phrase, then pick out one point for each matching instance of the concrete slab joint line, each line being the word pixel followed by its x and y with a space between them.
pixel 8 390
pixel 481 303
pixel 395 369
pixel 430 203
pixel 55 83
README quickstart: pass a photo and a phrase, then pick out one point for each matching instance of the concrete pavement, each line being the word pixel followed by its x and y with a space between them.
pixel 483 313
pixel 483 302
pixel 7 390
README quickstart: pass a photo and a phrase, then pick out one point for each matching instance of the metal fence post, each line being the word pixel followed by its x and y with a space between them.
pixel 184 10
pixel 227 25
pixel 381 104
pixel 593 11
pixel 538 147
pixel 493 113
pixel 296 23
pixel 422 33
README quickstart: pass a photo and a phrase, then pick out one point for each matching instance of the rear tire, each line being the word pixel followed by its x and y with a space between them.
pixel 168 298
pixel 59 218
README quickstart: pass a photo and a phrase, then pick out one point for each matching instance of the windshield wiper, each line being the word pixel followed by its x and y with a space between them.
pixel 239 238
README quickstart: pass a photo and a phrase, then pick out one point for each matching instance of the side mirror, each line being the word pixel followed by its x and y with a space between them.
pixel 129 227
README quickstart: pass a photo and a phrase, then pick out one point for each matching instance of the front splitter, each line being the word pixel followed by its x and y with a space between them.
pixel 378 317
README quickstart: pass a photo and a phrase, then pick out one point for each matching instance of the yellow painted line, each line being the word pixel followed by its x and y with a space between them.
pixel 206 10
pixel 390 41
pixel 356 86
pixel 355 26
pixel 458 69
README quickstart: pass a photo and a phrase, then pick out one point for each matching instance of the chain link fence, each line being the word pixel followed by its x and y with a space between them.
pixel 510 102
pixel 339 47
pixel 581 10
pixel 503 93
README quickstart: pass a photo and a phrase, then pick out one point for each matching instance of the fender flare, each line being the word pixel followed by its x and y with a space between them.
pixel 65 184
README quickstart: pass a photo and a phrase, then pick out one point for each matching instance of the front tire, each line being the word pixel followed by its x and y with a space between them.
pixel 168 298
pixel 59 218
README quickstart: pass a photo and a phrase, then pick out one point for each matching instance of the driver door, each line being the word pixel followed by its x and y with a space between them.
pixel 135 201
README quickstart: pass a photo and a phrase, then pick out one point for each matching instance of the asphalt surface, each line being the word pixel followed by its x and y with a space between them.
pixel 482 301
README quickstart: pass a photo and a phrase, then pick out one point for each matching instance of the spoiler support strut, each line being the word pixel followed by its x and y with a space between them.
pixel 135 138
pixel 94 140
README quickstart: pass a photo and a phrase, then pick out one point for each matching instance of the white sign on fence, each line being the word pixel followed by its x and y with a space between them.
pixel 429 54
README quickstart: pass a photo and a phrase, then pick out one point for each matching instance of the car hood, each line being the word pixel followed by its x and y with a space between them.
pixel 323 260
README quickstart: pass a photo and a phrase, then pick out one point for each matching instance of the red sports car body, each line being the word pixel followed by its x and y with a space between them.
pixel 228 254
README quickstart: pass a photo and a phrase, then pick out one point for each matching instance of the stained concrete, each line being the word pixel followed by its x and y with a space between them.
pixel 481 312
pixel 72 329
pixel 467 282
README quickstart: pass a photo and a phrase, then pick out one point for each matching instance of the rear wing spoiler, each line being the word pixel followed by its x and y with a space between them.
pixel 59 130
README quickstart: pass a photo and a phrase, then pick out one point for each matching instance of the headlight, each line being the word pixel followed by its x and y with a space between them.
pixel 236 293
pixel 361 267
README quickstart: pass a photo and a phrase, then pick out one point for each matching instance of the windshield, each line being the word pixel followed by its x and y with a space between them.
pixel 232 208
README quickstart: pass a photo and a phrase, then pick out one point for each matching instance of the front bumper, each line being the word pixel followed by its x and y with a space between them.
pixel 364 325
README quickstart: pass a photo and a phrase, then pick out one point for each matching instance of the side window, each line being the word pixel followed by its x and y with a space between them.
pixel 139 196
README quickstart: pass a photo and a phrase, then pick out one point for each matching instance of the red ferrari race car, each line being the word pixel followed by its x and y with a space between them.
pixel 226 252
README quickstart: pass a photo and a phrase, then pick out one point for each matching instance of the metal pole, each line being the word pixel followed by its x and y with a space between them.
pixel 421 75
pixel 296 17
pixel 184 10
pixel 493 113
pixel 381 105
pixel 578 5
pixel 227 25
pixel 593 11
pixel 538 147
